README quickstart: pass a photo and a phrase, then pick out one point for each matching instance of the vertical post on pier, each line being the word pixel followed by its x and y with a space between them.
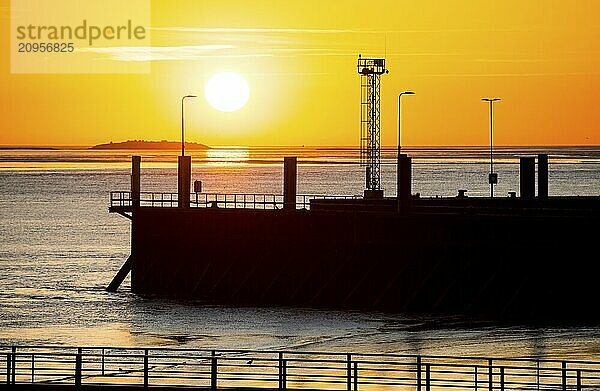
pixel 290 174
pixel 501 378
pixel 32 367
pixel 579 380
pixel 404 182
pixel 78 365
pixel 284 375
pixel 145 368
pixel 135 180
pixel 527 178
pixel 280 355
pixel 355 376
pixel 543 176
pixel 349 372
pixel 564 376
pixel 184 180
pixel 213 371
pixel 475 379
pixel 428 377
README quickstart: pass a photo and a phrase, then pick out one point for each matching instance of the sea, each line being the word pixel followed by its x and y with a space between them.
pixel 60 247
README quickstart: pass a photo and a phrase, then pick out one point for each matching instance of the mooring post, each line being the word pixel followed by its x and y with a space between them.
pixel 145 368
pixel 543 176
pixel 78 358
pixel 290 182
pixel 349 372
pixel 355 376
pixel 135 180
pixel 527 178
pixel 404 182
pixel 184 180
pixel 213 371
pixel 564 375
pixel 418 373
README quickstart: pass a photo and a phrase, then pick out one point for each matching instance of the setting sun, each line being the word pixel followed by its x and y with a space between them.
pixel 227 91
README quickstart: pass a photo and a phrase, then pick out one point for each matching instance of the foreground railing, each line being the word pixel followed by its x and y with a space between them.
pixel 206 200
pixel 288 370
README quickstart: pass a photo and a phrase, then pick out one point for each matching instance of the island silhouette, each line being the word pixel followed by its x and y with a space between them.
pixel 143 144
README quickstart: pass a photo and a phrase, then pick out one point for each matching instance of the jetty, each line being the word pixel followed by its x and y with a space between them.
pixel 103 367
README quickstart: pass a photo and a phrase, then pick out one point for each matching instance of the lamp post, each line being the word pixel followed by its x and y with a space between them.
pixel 402 189
pixel 183 123
pixel 493 178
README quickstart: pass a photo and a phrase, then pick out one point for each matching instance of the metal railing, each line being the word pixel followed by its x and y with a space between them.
pixel 289 370
pixel 207 200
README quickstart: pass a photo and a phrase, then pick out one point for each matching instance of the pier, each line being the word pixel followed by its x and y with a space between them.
pixel 64 368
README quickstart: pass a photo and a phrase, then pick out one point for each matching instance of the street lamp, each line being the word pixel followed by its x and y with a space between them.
pixel 183 124
pixel 493 178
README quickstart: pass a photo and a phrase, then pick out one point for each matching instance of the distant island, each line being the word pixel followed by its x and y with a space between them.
pixel 142 144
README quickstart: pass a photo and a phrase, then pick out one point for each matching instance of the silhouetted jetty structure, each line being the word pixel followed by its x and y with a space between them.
pixel 527 257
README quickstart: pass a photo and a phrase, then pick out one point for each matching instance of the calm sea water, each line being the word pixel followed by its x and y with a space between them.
pixel 59 248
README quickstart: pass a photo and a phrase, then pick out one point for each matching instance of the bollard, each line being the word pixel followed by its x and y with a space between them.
pixel 527 178
pixel 184 179
pixel 213 372
pixel 290 174
pixel 543 176
pixel 349 372
pixel 145 368
pixel 78 368
pixel 135 180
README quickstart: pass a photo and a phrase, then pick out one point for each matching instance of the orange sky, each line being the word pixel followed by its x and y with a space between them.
pixel 541 57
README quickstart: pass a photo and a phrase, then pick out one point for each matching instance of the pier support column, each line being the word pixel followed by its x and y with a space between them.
pixel 404 181
pixel 184 179
pixel 543 176
pixel 135 180
pixel 290 174
pixel 527 178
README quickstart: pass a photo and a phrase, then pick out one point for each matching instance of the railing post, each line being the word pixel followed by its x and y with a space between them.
pixel 428 377
pixel 418 373
pixel 8 364
pixel 284 375
pixel 475 383
pixel 213 372
pixel 501 378
pixel 78 368
pixel 579 380
pixel 490 375
pixel 349 372
pixel 32 367
pixel 355 376
pixel 280 355
pixel 564 376
pixel 13 370
pixel 102 361
pixel 145 368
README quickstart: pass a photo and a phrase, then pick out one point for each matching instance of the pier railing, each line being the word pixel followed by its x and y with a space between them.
pixel 206 200
pixel 282 370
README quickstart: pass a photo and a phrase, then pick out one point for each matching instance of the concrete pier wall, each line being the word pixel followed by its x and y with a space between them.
pixel 498 266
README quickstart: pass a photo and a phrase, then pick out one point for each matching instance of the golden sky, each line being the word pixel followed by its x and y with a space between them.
pixel 542 57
